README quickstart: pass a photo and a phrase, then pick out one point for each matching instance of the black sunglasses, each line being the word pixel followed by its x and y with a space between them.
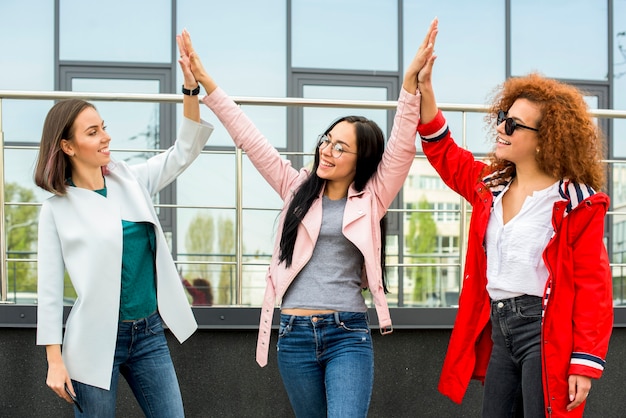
pixel 510 124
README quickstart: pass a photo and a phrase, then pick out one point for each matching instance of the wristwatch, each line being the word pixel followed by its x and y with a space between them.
pixel 193 92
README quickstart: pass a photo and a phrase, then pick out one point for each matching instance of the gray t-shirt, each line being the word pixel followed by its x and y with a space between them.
pixel 332 277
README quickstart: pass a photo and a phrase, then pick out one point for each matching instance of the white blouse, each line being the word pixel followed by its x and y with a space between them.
pixel 515 264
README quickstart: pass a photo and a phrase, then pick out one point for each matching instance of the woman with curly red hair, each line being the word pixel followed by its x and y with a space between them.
pixel 535 312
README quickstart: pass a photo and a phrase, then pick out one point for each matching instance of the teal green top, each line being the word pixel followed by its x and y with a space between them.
pixel 138 293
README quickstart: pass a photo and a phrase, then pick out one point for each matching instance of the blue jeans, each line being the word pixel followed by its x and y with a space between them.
pixel 327 364
pixel 143 358
pixel 514 369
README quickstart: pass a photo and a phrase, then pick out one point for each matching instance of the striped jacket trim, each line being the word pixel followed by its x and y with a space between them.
pixel 589 360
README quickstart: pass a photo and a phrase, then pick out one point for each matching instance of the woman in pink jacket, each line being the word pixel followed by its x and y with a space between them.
pixel 329 245
pixel 535 312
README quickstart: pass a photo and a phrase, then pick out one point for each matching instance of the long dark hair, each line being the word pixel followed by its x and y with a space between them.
pixel 370 147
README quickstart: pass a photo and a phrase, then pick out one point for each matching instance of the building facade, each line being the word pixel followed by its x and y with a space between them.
pixel 220 214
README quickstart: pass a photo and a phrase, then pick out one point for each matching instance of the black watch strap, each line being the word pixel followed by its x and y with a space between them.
pixel 193 92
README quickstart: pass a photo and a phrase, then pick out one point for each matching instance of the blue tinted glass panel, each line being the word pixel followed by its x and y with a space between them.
pixel 470 46
pixel 470 62
pixel 241 43
pixel 245 54
pixel 619 71
pixel 27 45
pixel 559 38
pixel 348 34
pixel 116 30
pixel 34 70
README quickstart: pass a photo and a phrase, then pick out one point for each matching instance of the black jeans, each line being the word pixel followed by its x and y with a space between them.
pixel 514 369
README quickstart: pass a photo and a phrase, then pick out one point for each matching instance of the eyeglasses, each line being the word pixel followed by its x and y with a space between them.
pixel 336 150
pixel 510 124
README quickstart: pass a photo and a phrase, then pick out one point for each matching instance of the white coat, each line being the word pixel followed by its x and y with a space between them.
pixel 81 232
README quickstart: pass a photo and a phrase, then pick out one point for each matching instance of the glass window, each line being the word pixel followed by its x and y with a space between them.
pixel 351 34
pixel 241 43
pixel 243 65
pixel 470 46
pixel 26 65
pixel 619 74
pixel 115 30
pixel 209 251
pixel 211 181
pixel 27 45
pixel 561 38
pixel 470 58
pixel 432 237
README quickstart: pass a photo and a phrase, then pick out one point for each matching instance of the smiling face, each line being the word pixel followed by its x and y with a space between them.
pixel 339 172
pixel 88 147
pixel 521 146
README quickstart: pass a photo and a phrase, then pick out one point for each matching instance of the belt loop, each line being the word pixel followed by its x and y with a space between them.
pixel 291 319
pixel 337 319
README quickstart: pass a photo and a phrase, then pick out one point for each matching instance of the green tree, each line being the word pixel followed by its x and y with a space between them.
pixel 199 242
pixel 421 241
pixel 20 224
pixel 226 247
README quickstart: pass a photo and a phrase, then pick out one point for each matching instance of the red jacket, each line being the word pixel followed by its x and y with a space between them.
pixel 578 311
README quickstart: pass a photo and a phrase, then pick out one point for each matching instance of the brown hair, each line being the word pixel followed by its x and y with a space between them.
pixel 570 144
pixel 53 165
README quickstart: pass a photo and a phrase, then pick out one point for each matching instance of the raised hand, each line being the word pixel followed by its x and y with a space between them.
pixel 424 77
pixel 191 106
pixel 423 56
pixel 195 63
pixel 184 62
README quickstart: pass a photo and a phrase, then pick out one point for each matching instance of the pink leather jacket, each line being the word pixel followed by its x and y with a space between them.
pixel 361 222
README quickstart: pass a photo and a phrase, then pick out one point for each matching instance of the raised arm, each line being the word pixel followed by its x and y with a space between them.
pixel 400 150
pixel 275 169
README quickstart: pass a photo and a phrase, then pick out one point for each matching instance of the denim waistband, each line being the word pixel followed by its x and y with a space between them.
pixel 523 300
pixel 327 318
pixel 142 323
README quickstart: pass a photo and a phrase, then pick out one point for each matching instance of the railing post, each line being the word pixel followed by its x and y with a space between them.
pixel 239 223
pixel 4 287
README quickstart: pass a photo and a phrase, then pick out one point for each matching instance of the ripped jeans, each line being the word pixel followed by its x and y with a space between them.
pixel 326 362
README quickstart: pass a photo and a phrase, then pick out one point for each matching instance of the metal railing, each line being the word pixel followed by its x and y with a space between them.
pixel 464 109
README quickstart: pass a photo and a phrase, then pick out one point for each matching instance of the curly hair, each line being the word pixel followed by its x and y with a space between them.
pixel 571 145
